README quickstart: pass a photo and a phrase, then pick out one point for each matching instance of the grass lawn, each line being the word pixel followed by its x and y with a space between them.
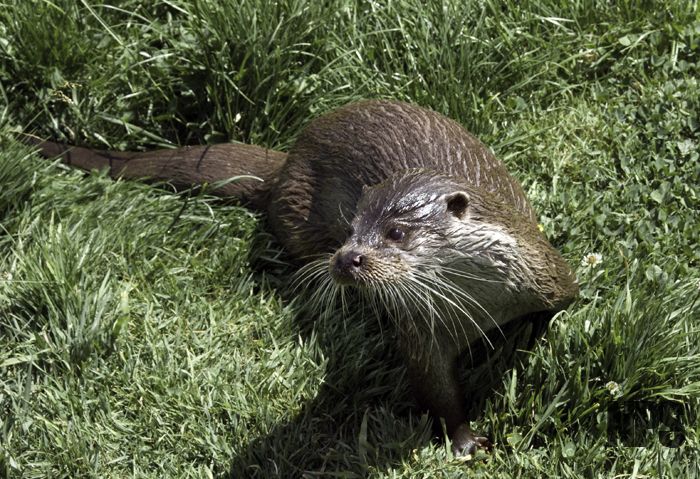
pixel 146 333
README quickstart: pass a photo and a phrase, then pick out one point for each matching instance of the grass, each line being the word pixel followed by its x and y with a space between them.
pixel 145 333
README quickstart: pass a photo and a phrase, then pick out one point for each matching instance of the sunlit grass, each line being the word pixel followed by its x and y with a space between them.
pixel 149 334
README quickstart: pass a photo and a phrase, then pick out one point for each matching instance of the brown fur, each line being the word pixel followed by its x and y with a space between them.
pixel 182 167
pixel 311 197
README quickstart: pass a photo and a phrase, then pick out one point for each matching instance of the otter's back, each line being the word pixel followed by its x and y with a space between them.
pixel 361 144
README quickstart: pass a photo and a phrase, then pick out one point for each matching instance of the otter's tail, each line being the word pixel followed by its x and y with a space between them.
pixel 250 169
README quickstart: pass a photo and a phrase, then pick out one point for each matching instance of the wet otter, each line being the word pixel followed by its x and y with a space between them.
pixel 402 203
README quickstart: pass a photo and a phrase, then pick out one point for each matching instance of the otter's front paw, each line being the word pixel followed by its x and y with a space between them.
pixel 465 442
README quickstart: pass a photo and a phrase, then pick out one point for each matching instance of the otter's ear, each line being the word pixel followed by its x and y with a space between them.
pixel 457 203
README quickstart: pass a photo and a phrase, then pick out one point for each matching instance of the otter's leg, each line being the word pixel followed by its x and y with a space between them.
pixel 435 385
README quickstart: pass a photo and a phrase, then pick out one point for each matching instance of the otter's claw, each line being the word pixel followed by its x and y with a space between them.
pixel 465 442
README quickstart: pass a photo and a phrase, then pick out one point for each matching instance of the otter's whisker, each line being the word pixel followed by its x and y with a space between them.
pixel 454 303
pixel 452 271
pixel 461 292
pixel 434 312
pixel 309 273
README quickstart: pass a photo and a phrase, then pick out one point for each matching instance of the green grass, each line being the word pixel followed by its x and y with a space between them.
pixel 147 334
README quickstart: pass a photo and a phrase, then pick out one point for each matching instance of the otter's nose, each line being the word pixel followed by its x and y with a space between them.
pixel 349 260
pixel 347 264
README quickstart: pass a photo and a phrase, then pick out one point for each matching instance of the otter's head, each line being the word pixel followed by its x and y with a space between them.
pixel 399 224
pixel 427 234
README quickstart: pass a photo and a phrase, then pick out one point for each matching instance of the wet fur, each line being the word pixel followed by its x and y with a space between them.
pixel 474 259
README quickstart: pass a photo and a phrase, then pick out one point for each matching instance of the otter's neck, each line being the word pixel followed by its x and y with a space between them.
pixel 511 271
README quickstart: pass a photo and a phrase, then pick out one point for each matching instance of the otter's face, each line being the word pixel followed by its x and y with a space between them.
pixel 430 245
pixel 397 223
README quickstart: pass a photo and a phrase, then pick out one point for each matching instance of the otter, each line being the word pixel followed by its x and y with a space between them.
pixel 402 204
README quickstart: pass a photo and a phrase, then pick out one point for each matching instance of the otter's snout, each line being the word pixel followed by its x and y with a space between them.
pixel 346 265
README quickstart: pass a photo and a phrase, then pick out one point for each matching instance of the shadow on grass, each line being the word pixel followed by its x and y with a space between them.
pixel 363 418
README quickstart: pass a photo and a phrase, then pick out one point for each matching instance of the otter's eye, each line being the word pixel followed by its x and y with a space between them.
pixel 395 234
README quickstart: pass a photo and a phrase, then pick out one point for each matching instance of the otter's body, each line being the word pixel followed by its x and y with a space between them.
pixel 402 203
pixel 360 145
